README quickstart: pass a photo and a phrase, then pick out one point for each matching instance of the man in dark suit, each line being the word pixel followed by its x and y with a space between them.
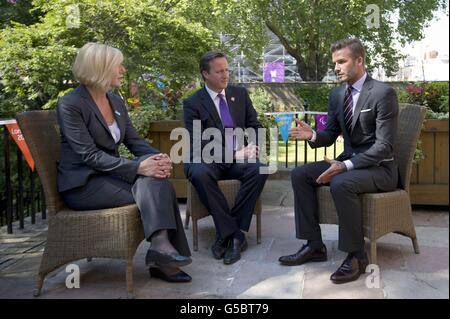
pixel 222 108
pixel 365 112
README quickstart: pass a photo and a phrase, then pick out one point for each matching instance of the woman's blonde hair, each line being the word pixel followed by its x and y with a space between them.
pixel 95 64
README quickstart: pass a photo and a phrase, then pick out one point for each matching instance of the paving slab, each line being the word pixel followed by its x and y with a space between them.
pixel 415 285
pixel 402 273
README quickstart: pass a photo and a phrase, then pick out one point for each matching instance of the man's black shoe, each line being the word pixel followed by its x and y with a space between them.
pixel 305 254
pixel 180 276
pixel 234 250
pixel 350 269
pixel 219 248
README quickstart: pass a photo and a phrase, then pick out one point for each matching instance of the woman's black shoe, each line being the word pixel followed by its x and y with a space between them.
pixel 180 276
pixel 155 257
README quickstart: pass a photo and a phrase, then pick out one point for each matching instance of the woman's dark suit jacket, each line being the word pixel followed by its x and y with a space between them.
pixel 87 146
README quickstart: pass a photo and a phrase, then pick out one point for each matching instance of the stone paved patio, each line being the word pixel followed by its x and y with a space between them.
pixel 257 275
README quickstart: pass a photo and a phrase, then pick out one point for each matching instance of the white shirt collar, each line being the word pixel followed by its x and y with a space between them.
pixel 359 84
pixel 212 93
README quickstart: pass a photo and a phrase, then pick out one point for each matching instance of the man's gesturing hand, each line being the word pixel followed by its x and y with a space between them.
pixel 302 131
pixel 335 169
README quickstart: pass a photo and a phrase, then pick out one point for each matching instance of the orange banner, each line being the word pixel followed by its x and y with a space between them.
pixel 17 136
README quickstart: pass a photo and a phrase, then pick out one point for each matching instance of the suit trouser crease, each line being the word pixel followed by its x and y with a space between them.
pixel 345 189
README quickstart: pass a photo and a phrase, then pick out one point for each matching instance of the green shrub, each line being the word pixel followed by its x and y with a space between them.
pixel 433 95
pixel 262 103
pixel 315 96
pixel 142 116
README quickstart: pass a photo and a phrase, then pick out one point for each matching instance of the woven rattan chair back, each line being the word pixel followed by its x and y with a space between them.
pixel 42 137
pixel 410 121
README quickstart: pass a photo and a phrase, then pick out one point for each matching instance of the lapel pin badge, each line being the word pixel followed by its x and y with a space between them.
pixel 232 99
pixel 117 113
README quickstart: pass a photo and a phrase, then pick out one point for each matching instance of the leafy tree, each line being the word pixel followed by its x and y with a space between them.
pixel 35 60
pixel 306 28
pixel 17 11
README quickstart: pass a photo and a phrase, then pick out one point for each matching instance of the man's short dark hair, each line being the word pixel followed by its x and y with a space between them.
pixel 354 44
pixel 207 57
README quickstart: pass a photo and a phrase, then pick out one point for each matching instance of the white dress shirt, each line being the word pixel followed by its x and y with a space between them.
pixel 115 131
pixel 356 90
pixel 216 99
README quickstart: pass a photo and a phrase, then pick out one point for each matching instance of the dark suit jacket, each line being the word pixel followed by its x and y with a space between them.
pixel 374 124
pixel 87 146
pixel 201 107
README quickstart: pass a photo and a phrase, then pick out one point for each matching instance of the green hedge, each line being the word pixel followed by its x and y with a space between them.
pixel 315 96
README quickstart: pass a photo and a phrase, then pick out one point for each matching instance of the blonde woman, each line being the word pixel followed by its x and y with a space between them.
pixel 91 173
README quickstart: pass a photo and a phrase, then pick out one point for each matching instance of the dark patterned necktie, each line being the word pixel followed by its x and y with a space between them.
pixel 227 120
pixel 348 109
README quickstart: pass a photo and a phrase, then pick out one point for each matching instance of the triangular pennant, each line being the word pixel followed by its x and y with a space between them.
pixel 321 121
pixel 284 122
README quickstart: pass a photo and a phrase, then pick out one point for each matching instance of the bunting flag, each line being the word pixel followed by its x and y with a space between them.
pixel 321 121
pixel 17 136
pixel 284 122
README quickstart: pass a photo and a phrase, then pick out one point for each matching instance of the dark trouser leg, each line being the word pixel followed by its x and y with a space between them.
pixel 156 202
pixel 158 206
pixel 345 189
pixel 101 191
pixel 252 184
pixel 204 177
pixel 305 200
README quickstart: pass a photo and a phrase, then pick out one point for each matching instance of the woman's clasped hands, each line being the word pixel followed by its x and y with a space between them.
pixel 159 166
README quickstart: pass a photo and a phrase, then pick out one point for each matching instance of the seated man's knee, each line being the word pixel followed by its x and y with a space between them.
pixel 254 169
pixel 260 176
pixel 339 185
pixel 298 174
pixel 201 174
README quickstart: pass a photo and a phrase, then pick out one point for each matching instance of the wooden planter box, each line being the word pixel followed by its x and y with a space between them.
pixel 429 177
pixel 159 136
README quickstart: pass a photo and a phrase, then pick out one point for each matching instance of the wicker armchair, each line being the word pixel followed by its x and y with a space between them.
pixel 73 235
pixel 196 210
pixel 388 212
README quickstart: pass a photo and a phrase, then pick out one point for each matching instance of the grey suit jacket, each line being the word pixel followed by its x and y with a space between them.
pixel 201 107
pixel 374 125
pixel 87 146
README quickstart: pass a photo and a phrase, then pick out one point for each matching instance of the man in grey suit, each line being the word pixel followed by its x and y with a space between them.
pixel 365 112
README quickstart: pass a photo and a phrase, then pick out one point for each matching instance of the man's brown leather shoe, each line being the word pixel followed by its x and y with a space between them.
pixel 305 254
pixel 350 270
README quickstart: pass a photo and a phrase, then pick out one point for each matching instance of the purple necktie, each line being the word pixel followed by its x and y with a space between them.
pixel 227 120
pixel 348 109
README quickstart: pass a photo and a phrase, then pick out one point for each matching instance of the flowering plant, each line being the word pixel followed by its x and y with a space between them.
pixel 433 95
